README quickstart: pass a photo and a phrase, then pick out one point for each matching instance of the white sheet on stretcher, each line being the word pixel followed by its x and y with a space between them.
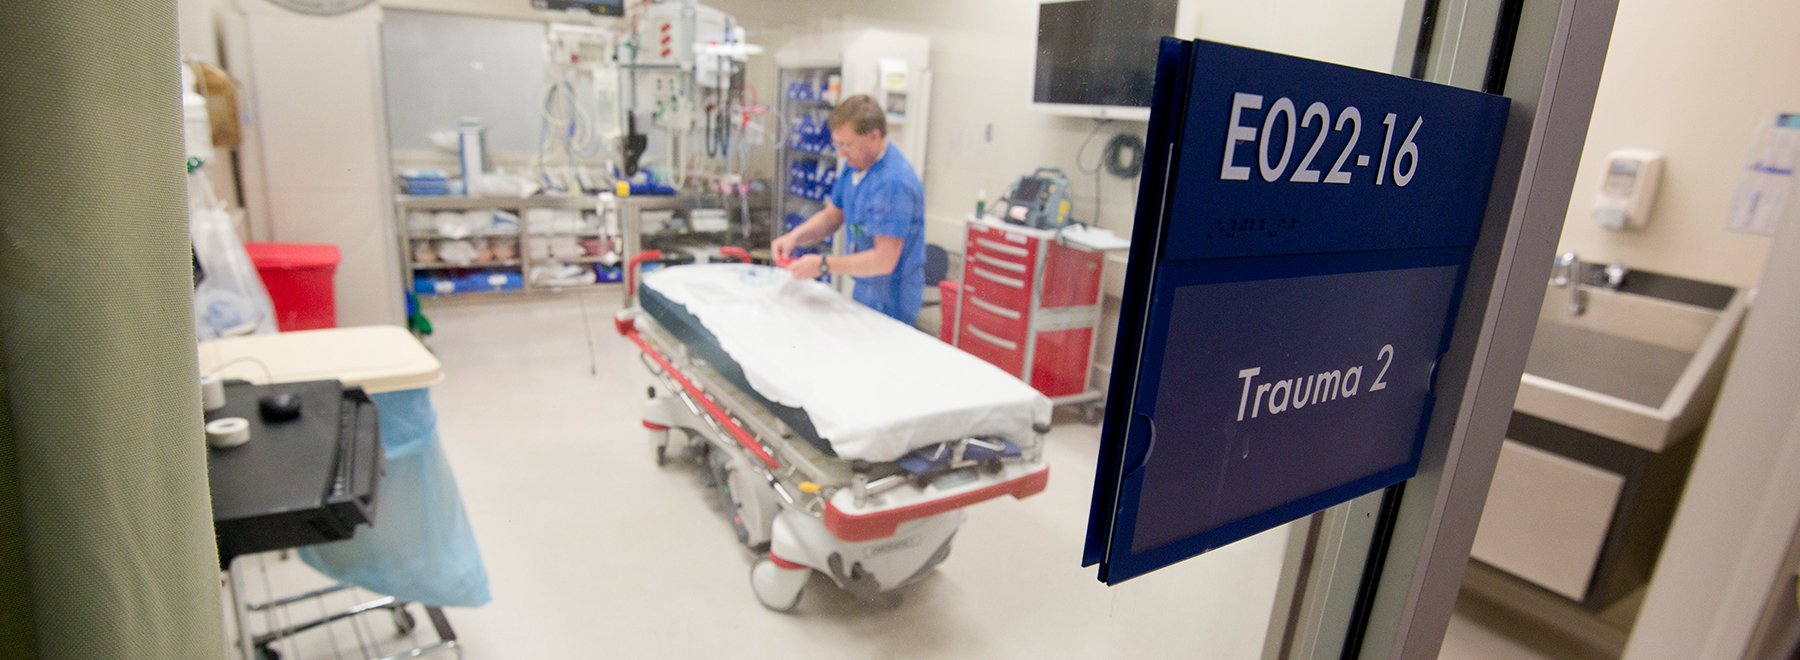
pixel 872 386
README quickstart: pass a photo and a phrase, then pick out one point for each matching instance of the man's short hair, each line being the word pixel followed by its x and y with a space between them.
pixel 861 112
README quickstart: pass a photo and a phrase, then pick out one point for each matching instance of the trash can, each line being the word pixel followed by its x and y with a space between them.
pixel 299 279
pixel 948 292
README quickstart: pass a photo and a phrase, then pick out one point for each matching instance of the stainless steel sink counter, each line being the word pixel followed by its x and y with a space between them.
pixel 1618 384
pixel 1636 371
pixel 1639 369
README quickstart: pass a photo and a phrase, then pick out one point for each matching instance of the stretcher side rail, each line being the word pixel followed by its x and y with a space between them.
pixel 797 457
pixel 705 408
pixel 793 450
pixel 882 523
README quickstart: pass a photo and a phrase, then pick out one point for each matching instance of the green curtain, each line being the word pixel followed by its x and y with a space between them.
pixel 106 547
pixel 15 604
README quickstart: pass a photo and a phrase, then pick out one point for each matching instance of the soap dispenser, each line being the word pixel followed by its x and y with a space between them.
pixel 1628 188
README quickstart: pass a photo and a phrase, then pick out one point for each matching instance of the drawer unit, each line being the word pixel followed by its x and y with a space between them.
pixel 997 318
pixel 1006 353
pixel 1004 289
pixel 1001 264
pixel 1031 306
pixel 1003 242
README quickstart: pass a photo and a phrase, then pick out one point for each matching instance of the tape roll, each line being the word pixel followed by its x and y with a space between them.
pixel 227 432
pixel 212 392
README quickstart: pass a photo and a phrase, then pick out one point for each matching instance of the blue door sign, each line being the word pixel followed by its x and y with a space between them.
pixel 1302 238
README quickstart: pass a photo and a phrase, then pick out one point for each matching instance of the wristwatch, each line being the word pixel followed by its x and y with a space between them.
pixel 824 266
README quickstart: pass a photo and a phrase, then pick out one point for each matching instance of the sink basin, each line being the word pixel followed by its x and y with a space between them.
pixel 1636 367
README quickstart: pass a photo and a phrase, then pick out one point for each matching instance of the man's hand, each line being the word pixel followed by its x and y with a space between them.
pixel 805 268
pixel 782 248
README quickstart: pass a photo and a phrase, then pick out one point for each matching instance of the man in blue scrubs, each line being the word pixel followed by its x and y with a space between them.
pixel 882 204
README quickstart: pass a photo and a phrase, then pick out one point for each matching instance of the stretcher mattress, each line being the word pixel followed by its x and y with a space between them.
pixel 854 382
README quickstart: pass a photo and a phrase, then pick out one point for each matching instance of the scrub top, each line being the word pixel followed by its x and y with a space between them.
pixel 889 200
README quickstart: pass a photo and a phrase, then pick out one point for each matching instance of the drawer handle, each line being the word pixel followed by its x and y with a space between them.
pixel 1003 248
pixel 994 309
pixel 1002 343
pixel 997 278
pixel 995 262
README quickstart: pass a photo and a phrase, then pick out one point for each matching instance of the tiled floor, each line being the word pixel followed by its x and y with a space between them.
pixel 1481 630
pixel 593 551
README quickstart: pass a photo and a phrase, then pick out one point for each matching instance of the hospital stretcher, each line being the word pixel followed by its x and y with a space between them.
pixel 873 517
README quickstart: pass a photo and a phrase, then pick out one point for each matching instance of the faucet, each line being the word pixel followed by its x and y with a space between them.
pixel 1615 275
pixel 1567 273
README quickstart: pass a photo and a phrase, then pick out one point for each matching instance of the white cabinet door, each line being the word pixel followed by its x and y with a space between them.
pixel 1546 518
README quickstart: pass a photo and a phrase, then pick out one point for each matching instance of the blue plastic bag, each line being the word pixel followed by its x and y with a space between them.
pixel 421 547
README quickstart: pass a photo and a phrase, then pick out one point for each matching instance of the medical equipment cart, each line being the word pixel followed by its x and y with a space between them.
pixel 392 367
pixel 1029 302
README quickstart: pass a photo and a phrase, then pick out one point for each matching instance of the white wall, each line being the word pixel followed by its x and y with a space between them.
pixel 1693 80
pixel 320 146
pixel 195 24
pixel 1724 558
pixel 1359 33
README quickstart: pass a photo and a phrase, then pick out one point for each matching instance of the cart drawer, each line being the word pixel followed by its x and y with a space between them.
pixel 1000 264
pixel 1008 324
pixel 989 344
pixel 1002 244
pixel 1002 288
pixel 1003 249
pixel 1059 364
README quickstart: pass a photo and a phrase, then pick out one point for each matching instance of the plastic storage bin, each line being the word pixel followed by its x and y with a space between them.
pixel 299 279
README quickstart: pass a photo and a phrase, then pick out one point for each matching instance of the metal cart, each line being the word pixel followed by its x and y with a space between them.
pixel 333 620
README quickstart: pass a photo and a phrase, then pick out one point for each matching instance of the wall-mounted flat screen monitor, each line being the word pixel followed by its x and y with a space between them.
pixel 1097 58
pixel 596 7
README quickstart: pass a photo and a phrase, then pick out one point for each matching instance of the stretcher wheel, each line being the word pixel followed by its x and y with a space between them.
pixel 885 601
pixel 720 462
pixel 659 441
pixel 1091 415
pixel 404 621
pixel 777 588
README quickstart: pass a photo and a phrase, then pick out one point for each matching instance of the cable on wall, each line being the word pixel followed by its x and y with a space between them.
pixel 1124 155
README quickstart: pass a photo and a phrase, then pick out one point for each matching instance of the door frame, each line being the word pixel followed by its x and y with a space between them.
pixel 1405 549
